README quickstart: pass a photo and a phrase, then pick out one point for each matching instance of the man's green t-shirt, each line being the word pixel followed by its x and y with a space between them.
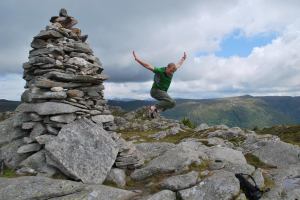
pixel 161 80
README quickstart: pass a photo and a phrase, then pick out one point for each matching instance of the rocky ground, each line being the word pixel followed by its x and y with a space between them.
pixel 178 163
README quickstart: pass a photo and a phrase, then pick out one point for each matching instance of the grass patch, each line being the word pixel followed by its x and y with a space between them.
pixel 142 135
pixel 9 173
pixel 237 141
pixel 187 122
pixel 110 183
pixel 201 167
pixel 290 134
pixel 256 162
pixel 269 183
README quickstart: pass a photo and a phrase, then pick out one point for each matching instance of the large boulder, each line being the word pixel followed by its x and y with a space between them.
pixel 31 188
pixel 221 185
pixel 278 153
pixel 152 150
pixel 180 182
pixel 83 150
pixel 163 195
pixel 173 160
pixel 8 132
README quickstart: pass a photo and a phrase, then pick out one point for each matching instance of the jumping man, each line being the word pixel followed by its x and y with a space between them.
pixel 162 80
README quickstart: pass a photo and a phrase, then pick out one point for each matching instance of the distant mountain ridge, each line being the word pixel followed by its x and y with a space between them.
pixel 243 111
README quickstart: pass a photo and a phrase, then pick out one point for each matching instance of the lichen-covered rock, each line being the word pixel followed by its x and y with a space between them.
pixel 180 182
pixel 221 185
pixel 83 150
pixel 152 150
pixel 117 176
pixel 175 159
pixel 29 187
pixel 163 195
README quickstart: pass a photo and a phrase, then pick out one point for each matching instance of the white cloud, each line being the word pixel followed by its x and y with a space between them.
pixel 160 31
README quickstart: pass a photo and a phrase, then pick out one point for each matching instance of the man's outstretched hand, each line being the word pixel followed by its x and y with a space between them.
pixel 135 58
pixel 184 56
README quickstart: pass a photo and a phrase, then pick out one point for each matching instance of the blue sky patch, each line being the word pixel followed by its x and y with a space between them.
pixel 237 44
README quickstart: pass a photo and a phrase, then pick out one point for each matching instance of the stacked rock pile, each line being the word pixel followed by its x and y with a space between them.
pixel 64 123
pixel 64 80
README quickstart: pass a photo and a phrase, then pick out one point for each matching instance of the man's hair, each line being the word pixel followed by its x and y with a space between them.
pixel 171 65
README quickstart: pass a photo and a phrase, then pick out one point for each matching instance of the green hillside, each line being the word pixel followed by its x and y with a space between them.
pixel 244 111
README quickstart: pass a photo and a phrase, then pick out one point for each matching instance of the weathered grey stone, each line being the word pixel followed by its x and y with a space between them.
pixel 33 187
pixel 38 129
pixel 162 134
pixel 79 47
pixel 28 125
pixel 163 195
pixel 48 34
pixel 221 185
pixel 75 93
pixel 41 60
pixel 35 117
pixel 64 118
pixel 27 148
pixel 8 133
pixel 51 130
pixel 95 157
pixel 99 78
pixel 48 108
pixel 202 127
pixel 38 43
pixel 78 62
pixel 37 162
pixel 117 176
pixel 222 153
pixel 46 51
pixel 173 160
pixel 258 177
pixel 9 154
pixel 102 118
pixel 29 96
pixel 28 140
pixel 57 89
pixel 46 83
pixel 152 150
pixel 43 139
pixel 180 182
pixel 278 153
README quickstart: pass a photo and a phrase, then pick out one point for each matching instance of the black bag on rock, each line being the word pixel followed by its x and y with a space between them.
pixel 252 192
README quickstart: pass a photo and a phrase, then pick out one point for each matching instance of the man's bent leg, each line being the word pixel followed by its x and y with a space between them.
pixel 165 101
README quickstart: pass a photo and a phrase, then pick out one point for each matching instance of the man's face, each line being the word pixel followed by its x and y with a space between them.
pixel 170 69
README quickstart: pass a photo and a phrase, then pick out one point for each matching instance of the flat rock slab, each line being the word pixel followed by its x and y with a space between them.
pixel 173 160
pixel 152 150
pixel 34 187
pixel 100 192
pixel 48 108
pixel 180 182
pixel 226 154
pixel 278 153
pixel 83 150
pixel 163 195
pixel 221 185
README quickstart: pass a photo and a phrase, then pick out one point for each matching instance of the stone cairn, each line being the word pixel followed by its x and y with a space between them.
pixel 64 83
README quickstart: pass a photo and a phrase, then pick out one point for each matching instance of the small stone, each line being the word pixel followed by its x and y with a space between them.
pixel 28 140
pixel 65 118
pixel 57 89
pixel 28 125
pixel 38 129
pixel 43 139
pixel 117 176
pixel 35 117
pixel 163 195
pixel 103 118
pixel 29 148
pixel 75 93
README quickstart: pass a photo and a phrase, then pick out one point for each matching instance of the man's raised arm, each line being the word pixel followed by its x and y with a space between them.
pixel 143 63
pixel 181 60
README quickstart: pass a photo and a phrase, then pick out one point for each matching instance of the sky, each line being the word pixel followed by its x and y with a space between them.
pixel 234 47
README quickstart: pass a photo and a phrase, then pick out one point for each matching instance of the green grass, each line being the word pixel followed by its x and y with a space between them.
pixel 9 173
pixel 290 134
pixel 256 162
